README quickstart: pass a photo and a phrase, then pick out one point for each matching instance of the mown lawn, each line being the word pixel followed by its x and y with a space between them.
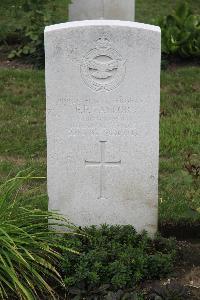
pixel 179 138
pixel 23 141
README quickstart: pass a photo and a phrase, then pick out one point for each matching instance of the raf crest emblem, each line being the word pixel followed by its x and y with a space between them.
pixel 103 68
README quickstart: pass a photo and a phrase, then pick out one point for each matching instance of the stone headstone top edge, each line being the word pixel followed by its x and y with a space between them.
pixel 76 24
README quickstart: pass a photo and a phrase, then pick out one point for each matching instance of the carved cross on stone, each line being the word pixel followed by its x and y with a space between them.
pixel 102 163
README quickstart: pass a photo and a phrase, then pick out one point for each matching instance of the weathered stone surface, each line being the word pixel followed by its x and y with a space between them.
pixel 103 89
pixel 102 9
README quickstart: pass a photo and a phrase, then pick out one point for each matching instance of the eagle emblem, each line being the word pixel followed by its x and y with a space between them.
pixel 103 68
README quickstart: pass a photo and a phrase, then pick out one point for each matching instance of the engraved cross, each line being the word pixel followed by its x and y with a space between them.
pixel 102 163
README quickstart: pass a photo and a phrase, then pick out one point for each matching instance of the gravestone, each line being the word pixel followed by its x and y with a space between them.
pixel 102 9
pixel 103 89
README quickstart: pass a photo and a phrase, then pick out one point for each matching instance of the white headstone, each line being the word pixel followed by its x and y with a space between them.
pixel 103 90
pixel 102 9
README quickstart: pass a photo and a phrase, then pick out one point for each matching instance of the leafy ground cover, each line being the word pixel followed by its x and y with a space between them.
pixel 118 264
pixel 115 256
pixel 22 124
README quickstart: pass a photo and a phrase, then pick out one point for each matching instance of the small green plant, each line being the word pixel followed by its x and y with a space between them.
pixel 117 256
pixel 181 32
pixel 29 250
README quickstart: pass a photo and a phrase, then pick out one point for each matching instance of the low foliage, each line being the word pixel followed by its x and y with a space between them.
pixel 31 34
pixel 114 256
pixel 181 32
pixel 27 37
pixel 29 251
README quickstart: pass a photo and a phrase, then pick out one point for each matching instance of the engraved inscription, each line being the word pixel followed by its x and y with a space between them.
pixel 103 68
pixel 103 109
pixel 102 163
pixel 77 131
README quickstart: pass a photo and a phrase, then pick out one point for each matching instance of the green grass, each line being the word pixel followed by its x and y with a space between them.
pixel 179 136
pixel 22 124
pixel 23 100
pixel 22 121
pixel 146 11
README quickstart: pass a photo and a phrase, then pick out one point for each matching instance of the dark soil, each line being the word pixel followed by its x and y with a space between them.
pixel 12 63
pixel 183 230
pixel 186 272
pixel 172 62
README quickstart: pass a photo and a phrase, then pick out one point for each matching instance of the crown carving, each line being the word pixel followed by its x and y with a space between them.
pixel 103 42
